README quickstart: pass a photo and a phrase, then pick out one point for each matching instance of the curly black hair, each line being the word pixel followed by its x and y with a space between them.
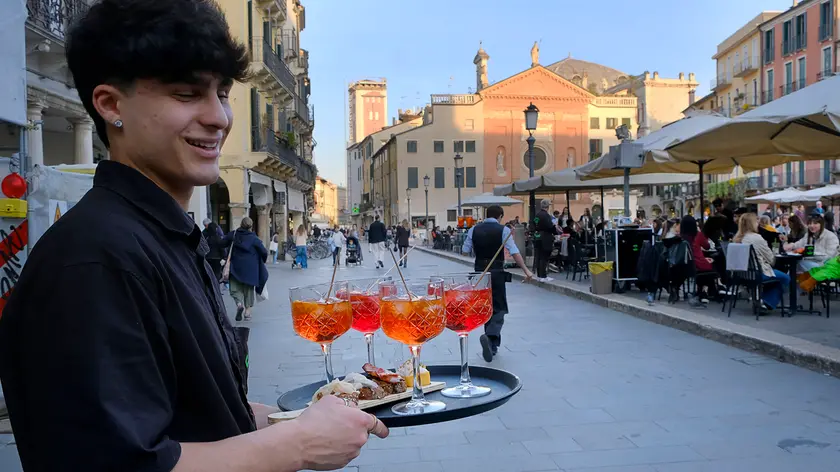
pixel 117 42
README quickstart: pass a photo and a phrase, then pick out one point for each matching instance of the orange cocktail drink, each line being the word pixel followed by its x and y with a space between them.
pixel 413 312
pixel 320 316
pixel 469 304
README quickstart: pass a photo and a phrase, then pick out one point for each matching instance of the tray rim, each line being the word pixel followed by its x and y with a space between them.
pixel 444 415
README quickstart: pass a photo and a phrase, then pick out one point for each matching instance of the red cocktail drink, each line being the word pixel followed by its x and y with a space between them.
pixel 467 308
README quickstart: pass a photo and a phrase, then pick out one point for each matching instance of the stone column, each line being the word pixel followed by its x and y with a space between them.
pixel 83 130
pixel 264 224
pixel 35 134
pixel 237 212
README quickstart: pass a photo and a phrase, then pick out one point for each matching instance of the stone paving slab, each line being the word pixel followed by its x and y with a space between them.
pixel 772 336
pixel 602 392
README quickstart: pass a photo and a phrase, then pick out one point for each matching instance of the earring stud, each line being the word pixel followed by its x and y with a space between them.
pixel 118 123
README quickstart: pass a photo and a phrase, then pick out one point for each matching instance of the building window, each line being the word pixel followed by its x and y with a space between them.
pixel 769 46
pixel 376 115
pixel 825 21
pixel 459 146
pixel 826 68
pixel 469 124
pixel 467 211
pixel 459 182
pixel 596 148
pixel 412 177
pixel 612 123
pixel 411 146
pixel 769 93
pixel 540 159
pixel 787 37
pixel 801 39
pixel 802 71
pixel 438 146
pixel 470 177
pixel 627 122
pixel 451 215
pixel 440 177
pixel 370 115
pixel 470 146
pixel 595 123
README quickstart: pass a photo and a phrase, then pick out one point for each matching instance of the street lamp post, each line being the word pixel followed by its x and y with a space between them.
pixel 458 161
pixel 408 197
pixel 532 113
pixel 426 222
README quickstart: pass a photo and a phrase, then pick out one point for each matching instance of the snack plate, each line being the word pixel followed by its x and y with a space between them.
pixel 504 385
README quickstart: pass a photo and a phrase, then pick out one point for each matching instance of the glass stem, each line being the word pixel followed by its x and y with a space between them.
pixel 417 389
pixel 369 342
pixel 325 348
pixel 465 365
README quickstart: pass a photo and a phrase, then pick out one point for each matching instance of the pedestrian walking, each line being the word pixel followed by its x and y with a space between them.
pixel 544 232
pixel 216 254
pixel 485 239
pixel 245 267
pixel 130 322
pixel 338 241
pixel 274 247
pixel 403 235
pixel 377 234
pixel 300 247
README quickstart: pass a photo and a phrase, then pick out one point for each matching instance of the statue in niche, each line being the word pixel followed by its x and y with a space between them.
pixel 500 161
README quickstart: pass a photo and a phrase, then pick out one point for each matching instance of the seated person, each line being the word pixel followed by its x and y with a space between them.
pixel 826 244
pixel 706 275
pixel 767 231
pixel 748 234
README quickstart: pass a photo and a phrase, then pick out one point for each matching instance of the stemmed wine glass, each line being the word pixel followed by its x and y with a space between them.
pixel 413 312
pixel 364 300
pixel 321 316
pixel 469 304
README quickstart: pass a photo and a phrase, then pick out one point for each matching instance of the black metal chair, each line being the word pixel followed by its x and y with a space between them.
pixel 749 277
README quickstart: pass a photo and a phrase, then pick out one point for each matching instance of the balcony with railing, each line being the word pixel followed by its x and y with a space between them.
pixel 301 111
pixel 823 74
pixel 746 66
pixel 453 99
pixel 720 82
pixel 303 61
pixel 621 102
pixel 269 65
pixel 276 9
pixel 291 47
pixel 52 17
pixel 723 110
pixel 745 102
pixel 767 96
pixel 769 53
pixel 276 145
pixel 787 89
pixel 306 172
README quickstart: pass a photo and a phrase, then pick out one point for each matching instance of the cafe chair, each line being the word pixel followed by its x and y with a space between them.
pixel 745 272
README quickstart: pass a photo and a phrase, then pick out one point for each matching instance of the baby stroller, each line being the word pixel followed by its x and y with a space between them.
pixel 354 253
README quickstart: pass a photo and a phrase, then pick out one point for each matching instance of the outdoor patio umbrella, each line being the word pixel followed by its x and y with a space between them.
pixel 658 160
pixel 804 125
pixel 829 191
pixel 488 199
pixel 787 195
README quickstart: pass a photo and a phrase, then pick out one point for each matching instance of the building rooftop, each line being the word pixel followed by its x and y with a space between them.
pixel 574 70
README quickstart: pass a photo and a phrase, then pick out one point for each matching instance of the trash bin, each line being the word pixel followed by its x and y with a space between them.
pixel 601 274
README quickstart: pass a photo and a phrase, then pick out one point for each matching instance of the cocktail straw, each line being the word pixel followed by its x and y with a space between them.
pixel 493 259
pixel 407 291
pixel 332 280
pixel 389 270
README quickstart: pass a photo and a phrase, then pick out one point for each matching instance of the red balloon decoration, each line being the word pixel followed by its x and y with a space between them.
pixel 13 185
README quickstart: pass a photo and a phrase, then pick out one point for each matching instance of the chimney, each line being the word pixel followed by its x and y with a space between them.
pixel 691 77
pixel 656 75
pixel 682 76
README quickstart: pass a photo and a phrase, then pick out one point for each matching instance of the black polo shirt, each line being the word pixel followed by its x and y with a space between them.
pixel 114 345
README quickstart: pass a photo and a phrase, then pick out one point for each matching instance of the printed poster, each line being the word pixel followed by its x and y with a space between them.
pixel 57 209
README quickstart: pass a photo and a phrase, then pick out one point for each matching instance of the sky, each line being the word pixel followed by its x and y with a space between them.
pixel 426 47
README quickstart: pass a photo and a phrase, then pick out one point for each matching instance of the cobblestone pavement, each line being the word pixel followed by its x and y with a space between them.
pixel 603 392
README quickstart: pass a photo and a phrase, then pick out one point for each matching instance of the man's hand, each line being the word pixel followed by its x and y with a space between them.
pixel 261 412
pixel 528 275
pixel 332 434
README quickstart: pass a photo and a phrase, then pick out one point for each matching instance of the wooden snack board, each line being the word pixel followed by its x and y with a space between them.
pixel 363 404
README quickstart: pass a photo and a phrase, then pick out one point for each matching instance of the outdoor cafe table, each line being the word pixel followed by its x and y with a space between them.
pixel 789 262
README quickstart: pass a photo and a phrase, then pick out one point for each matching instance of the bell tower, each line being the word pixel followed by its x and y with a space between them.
pixel 480 61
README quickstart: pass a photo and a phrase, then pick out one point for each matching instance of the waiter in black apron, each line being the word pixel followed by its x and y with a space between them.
pixel 485 239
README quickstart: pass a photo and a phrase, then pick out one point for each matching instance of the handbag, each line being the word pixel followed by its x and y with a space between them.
pixel 226 269
pixel 273 246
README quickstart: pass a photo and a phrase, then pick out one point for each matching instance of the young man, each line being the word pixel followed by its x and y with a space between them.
pixel 485 239
pixel 377 234
pixel 133 332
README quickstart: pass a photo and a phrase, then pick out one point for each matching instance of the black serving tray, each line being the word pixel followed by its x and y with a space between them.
pixel 504 385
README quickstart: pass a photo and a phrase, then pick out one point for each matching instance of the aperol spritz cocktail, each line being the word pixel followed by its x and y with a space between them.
pixel 364 300
pixel 469 304
pixel 413 312
pixel 318 315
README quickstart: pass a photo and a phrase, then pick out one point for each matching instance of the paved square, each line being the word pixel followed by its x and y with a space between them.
pixel 603 392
